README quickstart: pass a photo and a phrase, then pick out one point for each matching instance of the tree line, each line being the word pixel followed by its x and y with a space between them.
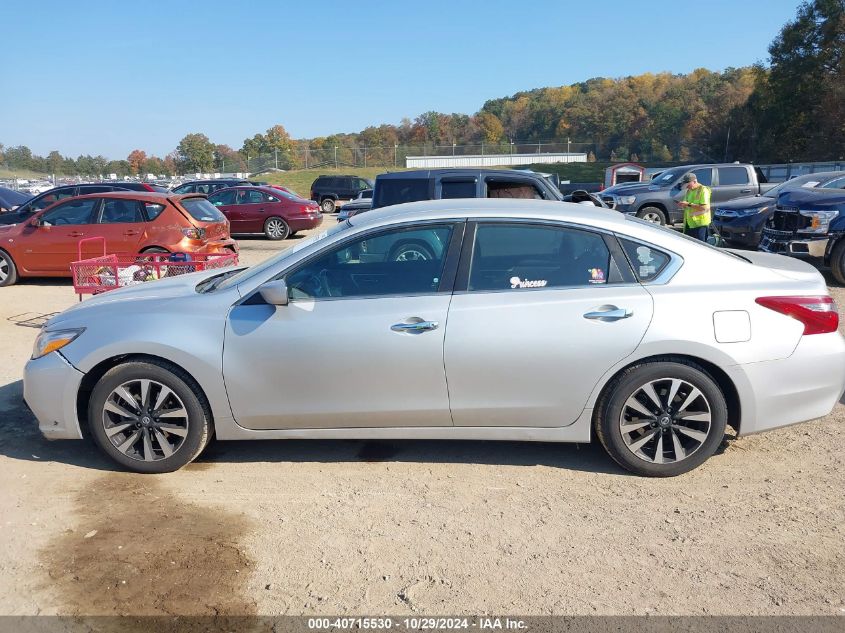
pixel 791 110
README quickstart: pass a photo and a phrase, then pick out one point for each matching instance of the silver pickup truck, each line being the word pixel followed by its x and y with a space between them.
pixel 656 199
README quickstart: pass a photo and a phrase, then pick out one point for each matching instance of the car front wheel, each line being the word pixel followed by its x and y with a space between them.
pixel 652 214
pixel 147 417
pixel 662 419
pixel 8 271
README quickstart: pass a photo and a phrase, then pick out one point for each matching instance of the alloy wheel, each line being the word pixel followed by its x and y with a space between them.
pixel 665 420
pixel 4 269
pixel 145 420
pixel 653 217
pixel 275 228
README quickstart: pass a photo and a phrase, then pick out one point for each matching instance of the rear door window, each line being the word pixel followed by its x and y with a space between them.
pixel 202 210
pixel 222 198
pixel 450 189
pixel 733 176
pixel 116 211
pixel 185 189
pixel 521 189
pixel 524 256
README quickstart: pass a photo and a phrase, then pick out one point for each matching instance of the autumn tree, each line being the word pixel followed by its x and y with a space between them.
pixel 136 160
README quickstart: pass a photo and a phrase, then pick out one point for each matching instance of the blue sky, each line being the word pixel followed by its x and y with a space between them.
pixel 109 77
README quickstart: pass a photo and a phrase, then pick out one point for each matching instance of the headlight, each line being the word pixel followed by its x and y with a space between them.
pixel 627 199
pixel 51 341
pixel 763 209
pixel 819 221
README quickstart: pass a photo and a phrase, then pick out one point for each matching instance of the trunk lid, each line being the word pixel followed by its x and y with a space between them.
pixel 788 267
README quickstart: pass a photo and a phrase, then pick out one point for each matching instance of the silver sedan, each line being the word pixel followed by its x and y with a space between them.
pixel 452 319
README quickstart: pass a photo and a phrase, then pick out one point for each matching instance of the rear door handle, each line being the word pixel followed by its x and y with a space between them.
pixel 75 234
pixel 609 313
pixel 132 232
pixel 745 190
pixel 415 327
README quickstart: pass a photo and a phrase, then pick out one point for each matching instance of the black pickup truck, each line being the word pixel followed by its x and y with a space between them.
pixel 809 222
pixel 656 200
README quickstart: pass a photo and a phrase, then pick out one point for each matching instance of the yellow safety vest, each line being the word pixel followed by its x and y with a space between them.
pixel 699 195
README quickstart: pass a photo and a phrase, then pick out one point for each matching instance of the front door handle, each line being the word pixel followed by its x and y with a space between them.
pixel 130 233
pixel 609 313
pixel 76 234
pixel 745 190
pixel 415 327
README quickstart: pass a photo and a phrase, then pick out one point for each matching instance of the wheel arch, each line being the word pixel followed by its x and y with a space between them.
pixel 721 378
pixel 92 377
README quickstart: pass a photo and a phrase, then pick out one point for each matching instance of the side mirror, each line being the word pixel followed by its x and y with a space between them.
pixel 275 293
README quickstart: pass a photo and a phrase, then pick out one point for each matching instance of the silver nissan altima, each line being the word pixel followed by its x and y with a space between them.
pixel 452 319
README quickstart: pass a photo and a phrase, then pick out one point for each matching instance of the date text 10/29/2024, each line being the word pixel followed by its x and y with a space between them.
pixel 418 624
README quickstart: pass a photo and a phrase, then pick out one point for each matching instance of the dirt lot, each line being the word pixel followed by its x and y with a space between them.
pixel 334 527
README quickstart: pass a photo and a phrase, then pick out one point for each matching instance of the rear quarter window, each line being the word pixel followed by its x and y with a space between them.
pixel 202 210
pixel 153 210
pixel 647 261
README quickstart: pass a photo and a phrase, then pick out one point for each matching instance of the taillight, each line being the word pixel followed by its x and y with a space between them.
pixel 818 314
pixel 194 234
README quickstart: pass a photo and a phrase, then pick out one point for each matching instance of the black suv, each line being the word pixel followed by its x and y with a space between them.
pixel 329 190
pixel 436 184
pixel 209 186
pixel 44 200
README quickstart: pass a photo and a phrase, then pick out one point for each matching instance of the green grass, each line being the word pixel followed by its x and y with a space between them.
pixel 8 174
pixel 300 180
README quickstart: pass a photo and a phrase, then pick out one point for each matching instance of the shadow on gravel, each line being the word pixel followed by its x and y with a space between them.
pixel 20 439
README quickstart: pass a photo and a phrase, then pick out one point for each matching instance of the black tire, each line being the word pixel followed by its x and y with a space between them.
pixel 8 270
pixel 609 419
pixel 837 262
pixel 411 250
pixel 327 205
pixel 276 228
pixel 652 214
pixel 197 423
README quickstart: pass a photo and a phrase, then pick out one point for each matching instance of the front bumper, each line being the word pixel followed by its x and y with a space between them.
pixel 737 231
pixel 785 243
pixel 804 386
pixel 50 387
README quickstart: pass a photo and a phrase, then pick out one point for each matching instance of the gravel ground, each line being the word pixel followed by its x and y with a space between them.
pixel 342 527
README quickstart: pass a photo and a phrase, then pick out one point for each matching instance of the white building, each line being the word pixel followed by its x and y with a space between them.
pixel 493 160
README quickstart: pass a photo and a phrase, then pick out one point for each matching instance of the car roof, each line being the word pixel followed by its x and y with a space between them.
pixel 212 180
pixel 452 171
pixel 150 196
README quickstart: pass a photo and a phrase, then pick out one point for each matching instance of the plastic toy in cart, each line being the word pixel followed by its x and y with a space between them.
pixel 107 272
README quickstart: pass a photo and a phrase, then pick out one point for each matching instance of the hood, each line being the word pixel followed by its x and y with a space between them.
pixel 804 198
pixel 630 188
pixel 133 297
pixel 746 202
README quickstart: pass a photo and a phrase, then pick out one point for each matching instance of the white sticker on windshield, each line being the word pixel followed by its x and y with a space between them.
pixel 516 282
pixel 810 184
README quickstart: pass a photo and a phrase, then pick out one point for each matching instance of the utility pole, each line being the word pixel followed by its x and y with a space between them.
pixel 482 148
pixel 306 156
pixel 567 145
pixel 395 151
pixel 335 156
pixel 727 140
pixel 365 157
pixel 276 154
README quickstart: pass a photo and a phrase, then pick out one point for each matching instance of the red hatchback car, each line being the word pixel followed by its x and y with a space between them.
pixel 273 212
pixel 130 221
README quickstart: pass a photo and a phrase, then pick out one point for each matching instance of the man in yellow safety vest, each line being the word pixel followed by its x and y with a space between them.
pixel 696 206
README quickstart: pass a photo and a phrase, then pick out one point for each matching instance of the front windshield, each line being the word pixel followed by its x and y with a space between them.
pixel 807 180
pixel 670 175
pixel 271 262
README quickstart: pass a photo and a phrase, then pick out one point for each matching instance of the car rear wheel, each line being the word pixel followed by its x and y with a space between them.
pixel 662 419
pixel 652 214
pixel 276 229
pixel 8 270
pixel 837 262
pixel 327 205
pixel 147 417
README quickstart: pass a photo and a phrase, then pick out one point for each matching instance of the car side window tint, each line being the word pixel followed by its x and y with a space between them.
pixel 395 262
pixel 153 210
pixel 512 189
pixel 50 197
pixel 86 189
pixel 647 261
pixel 116 211
pixel 457 189
pixel 223 197
pixel 73 212
pixel 733 176
pixel 839 183
pixel 184 189
pixel 704 176
pixel 521 256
